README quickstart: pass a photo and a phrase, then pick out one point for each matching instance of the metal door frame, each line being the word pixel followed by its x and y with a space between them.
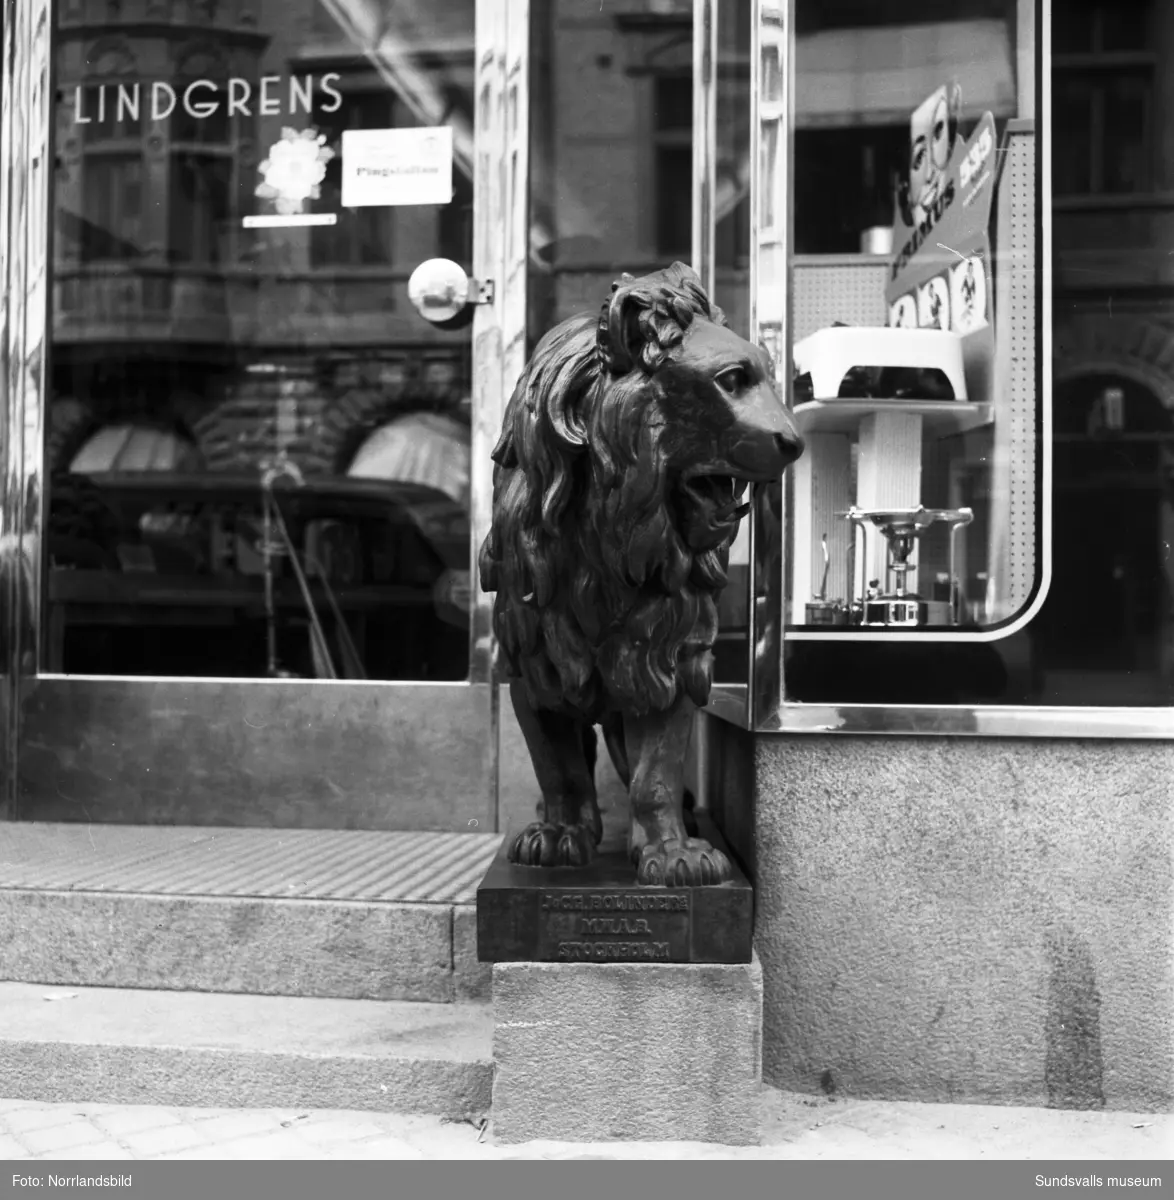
pixel 408 755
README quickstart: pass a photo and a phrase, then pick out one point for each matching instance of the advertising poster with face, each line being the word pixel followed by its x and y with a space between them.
pixel 940 274
pixel 933 130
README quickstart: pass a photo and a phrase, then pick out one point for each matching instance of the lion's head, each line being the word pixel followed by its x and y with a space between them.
pixel 625 455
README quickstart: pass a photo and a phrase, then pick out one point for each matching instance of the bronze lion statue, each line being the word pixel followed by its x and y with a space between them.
pixel 625 454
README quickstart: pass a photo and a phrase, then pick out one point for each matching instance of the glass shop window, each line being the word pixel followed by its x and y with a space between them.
pixel 932 560
pixel 915 515
pixel 257 452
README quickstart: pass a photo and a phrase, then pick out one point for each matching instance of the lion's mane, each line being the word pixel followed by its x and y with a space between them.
pixel 601 603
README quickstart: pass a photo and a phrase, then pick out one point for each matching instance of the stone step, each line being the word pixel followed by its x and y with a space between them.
pixel 139 1046
pixel 355 915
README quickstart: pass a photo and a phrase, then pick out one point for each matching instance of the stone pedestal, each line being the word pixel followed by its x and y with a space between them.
pixel 598 913
pixel 627 1051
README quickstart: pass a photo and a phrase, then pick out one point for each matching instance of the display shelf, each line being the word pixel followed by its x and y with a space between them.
pixel 941 417
pixel 830 355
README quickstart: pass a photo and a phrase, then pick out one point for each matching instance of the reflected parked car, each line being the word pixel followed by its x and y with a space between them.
pixel 196 575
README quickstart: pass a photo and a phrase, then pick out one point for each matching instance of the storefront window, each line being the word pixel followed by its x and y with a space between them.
pixel 257 451
pixel 914 520
pixel 1013 548
pixel 983 512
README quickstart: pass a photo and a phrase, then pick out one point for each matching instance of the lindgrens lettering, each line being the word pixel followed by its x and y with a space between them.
pixel 202 98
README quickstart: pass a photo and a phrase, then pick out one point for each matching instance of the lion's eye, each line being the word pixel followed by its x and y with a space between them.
pixel 733 380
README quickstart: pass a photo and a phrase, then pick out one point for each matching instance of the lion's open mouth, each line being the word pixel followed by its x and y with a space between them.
pixel 722 493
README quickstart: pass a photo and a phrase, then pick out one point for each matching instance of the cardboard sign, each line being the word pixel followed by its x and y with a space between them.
pixel 942 240
pixel 382 167
pixel 940 273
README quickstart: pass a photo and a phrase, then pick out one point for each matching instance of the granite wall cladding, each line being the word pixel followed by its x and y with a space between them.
pixel 955 919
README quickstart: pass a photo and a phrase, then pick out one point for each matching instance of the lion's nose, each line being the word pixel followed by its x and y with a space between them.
pixel 790 445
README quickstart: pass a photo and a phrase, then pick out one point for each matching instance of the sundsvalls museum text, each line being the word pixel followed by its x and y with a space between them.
pixel 1094 1181
pixel 270 96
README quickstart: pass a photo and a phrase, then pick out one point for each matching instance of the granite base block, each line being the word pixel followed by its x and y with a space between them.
pixel 472 979
pixel 325 948
pixel 627 1052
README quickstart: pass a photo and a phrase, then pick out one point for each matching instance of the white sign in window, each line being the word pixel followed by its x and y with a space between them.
pixel 396 166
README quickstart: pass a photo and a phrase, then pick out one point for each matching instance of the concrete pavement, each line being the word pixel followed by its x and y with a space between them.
pixel 793 1127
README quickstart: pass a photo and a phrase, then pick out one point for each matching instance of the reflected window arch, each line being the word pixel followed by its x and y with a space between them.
pixel 1103 626
pixel 127 447
pixel 424 447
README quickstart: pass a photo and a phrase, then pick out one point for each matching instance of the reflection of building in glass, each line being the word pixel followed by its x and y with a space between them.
pixel 170 311
pixel 234 342
pixel 1112 601
pixel 617 136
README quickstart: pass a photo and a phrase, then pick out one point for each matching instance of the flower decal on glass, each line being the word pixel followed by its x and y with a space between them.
pixel 294 170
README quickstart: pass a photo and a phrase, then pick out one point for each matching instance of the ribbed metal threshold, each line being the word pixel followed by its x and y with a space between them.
pixel 305 864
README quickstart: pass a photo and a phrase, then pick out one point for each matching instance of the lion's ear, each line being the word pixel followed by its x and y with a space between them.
pixel 684 279
pixel 680 273
pixel 619 336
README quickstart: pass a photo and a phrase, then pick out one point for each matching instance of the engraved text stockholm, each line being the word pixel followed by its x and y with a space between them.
pixel 598 951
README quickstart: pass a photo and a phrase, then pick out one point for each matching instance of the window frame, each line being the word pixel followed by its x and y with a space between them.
pixel 763 707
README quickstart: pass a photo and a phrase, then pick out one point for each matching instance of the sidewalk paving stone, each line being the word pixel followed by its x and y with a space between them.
pixel 793 1127
pixel 91 1152
pixel 167 1139
pixel 122 1122
pixel 225 1126
pixel 30 1117
pixel 72 1136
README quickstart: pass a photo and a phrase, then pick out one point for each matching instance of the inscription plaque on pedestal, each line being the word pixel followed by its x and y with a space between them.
pixel 597 913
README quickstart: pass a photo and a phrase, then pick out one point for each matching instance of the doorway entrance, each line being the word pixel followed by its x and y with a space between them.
pixel 222 616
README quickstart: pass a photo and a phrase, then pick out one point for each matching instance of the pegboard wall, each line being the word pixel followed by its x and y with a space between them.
pixel 848 289
pixel 1015 378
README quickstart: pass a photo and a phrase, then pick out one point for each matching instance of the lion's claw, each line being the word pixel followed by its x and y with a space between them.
pixel 546 845
pixel 682 862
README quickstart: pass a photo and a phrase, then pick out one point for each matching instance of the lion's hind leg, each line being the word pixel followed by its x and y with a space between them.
pixel 571 826
pixel 659 844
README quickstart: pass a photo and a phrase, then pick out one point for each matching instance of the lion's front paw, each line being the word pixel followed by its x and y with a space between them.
pixel 546 845
pixel 682 862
